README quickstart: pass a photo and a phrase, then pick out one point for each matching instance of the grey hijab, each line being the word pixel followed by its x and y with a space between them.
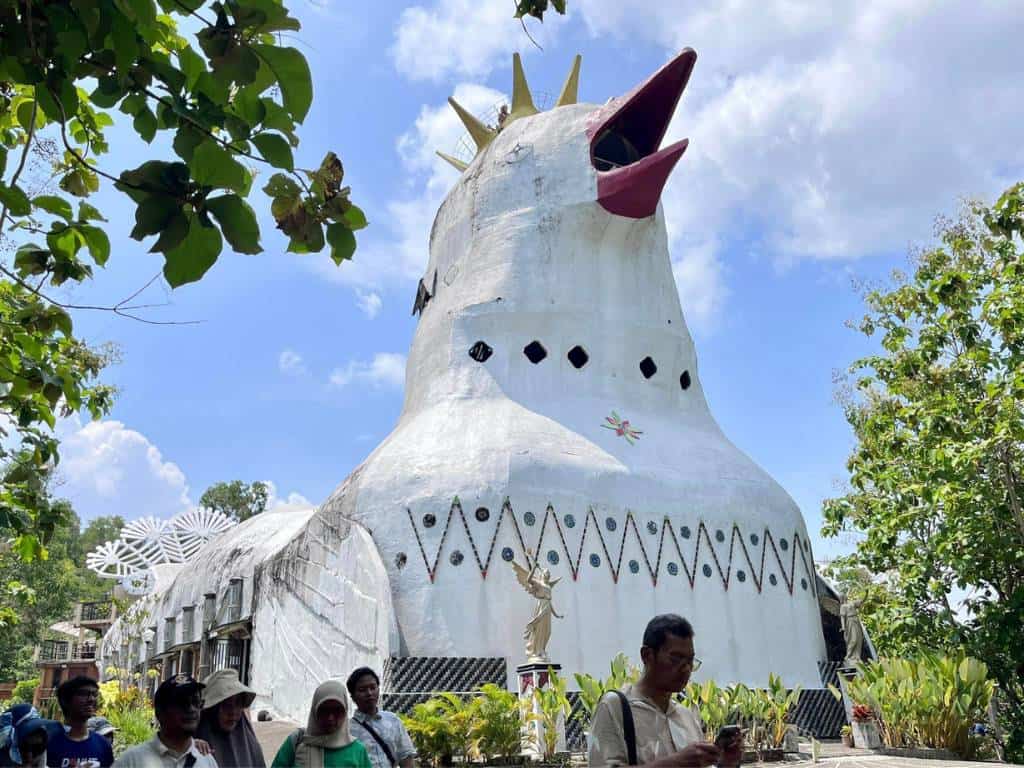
pixel 309 749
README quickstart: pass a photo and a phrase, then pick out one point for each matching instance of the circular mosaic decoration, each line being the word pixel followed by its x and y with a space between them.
pixel 429 521
pixel 552 557
pixel 507 554
pixel 685 531
pixel 401 560
pixel 634 566
pixel 719 535
pixel 595 560
pixel 673 569
pixel 456 558
pixel 652 527
pixel 483 514
pixel 529 518
pixel 784 544
pixel 610 524
pixel 772 580
pixel 755 539
pixel 570 521
pixel 707 570
pixel 742 576
pixel 803 583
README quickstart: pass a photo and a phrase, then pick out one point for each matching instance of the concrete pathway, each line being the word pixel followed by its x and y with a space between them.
pixel 271 736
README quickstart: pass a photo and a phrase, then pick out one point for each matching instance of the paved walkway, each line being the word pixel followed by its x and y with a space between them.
pixel 271 736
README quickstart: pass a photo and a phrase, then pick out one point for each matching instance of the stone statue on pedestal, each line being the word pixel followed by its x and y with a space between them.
pixel 853 630
pixel 538 582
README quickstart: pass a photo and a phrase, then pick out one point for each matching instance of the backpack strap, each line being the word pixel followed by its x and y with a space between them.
pixel 628 728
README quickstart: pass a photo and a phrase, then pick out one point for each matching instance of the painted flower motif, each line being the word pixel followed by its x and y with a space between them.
pixel 529 518
pixel 634 566
pixel 595 560
pixel 610 524
pixel 570 521
pixel 673 569
pixel 652 527
pixel 552 557
pixel 507 554
pixel 456 558
pixel 622 428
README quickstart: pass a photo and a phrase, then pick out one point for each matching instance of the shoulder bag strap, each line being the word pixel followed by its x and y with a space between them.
pixel 383 744
pixel 628 727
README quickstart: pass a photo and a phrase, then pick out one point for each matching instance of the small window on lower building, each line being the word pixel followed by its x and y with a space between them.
pixel 648 368
pixel 535 352
pixel 578 356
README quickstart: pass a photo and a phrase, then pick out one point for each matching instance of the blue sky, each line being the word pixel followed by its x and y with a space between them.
pixel 823 142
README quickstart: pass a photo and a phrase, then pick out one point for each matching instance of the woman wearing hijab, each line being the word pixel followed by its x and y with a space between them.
pixel 23 737
pixel 325 742
pixel 224 723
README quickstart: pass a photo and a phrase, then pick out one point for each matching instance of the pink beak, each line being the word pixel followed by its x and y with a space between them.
pixel 631 170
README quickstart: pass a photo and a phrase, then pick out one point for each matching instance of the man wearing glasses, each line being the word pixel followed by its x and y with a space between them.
pixel 643 724
pixel 75 746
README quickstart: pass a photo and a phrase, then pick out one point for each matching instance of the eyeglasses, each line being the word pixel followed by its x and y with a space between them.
pixel 685 661
pixel 95 695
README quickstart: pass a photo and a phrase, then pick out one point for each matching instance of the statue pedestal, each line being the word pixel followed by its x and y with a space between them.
pixel 533 676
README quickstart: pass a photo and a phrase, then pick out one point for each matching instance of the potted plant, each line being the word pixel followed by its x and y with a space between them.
pixel 846 734
pixel 863 728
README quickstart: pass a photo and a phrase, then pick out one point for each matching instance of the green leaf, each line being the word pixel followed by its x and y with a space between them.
pixel 186 139
pixel 192 66
pixel 237 222
pixel 97 242
pixel 25 111
pixel 190 260
pixel 354 218
pixel 249 106
pixel 280 185
pixel 144 11
pixel 293 77
pixel 342 242
pixel 275 150
pixel 214 166
pixel 123 42
pixel 145 124
pixel 81 182
pixel 173 233
pixel 58 206
pixel 16 201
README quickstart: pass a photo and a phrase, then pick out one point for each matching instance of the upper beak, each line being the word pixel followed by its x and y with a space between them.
pixel 631 170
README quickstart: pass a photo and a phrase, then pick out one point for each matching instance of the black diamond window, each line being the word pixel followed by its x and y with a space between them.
pixel 648 368
pixel 684 380
pixel 480 352
pixel 578 356
pixel 535 352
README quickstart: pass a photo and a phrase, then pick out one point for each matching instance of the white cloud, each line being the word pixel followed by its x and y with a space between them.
pixel 108 469
pixel 290 363
pixel 369 302
pixel 385 371
pixel 463 38
pixel 829 132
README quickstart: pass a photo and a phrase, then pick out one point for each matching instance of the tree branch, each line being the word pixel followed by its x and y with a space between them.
pixel 21 163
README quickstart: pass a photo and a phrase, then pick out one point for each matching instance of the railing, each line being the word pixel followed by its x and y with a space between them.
pixel 97 611
pixel 62 650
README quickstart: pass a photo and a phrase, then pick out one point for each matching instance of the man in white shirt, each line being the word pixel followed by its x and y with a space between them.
pixel 177 704
pixel 665 734
pixel 382 733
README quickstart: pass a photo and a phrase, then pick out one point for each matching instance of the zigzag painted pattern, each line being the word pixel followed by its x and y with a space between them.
pixel 668 536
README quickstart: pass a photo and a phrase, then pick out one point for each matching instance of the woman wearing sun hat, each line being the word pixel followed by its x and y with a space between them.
pixel 225 724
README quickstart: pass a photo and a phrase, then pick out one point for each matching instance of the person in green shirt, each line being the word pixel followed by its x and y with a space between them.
pixel 325 742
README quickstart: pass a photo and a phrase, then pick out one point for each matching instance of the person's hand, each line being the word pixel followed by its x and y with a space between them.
pixel 203 747
pixel 732 751
pixel 697 755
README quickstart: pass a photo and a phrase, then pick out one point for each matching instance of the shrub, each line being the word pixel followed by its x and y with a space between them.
pixel 592 688
pixel 553 705
pixel 497 722
pixel 442 728
pixel 134 726
pixel 24 691
pixel 931 701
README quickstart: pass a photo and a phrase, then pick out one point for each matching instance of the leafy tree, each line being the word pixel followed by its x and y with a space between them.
pixel 936 483
pixel 229 97
pixel 236 499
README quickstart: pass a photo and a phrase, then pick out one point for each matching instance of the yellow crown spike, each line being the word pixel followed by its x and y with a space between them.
pixel 522 101
pixel 459 165
pixel 570 91
pixel 482 135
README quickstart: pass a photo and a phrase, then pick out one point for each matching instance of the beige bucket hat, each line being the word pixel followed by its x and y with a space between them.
pixel 222 685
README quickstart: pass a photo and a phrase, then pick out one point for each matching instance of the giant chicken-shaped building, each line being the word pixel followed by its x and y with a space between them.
pixel 553 413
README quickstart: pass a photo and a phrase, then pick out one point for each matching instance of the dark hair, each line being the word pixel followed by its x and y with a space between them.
pixel 660 627
pixel 356 676
pixel 67 689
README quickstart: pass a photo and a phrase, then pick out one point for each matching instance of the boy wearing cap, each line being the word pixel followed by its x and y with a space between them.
pixel 75 746
pixel 177 704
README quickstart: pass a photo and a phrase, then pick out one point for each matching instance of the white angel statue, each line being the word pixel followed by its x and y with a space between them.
pixel 538 582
